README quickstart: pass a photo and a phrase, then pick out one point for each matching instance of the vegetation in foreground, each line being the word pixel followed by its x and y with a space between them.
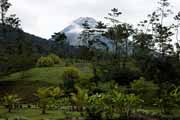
pixel 138 79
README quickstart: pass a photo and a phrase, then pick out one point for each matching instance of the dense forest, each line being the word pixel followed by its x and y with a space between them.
pixel 137 78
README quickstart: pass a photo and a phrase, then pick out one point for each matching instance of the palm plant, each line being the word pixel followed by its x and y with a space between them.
pixel 175 93
pixel 46 95
pixel 166 102
pixel 55 92
pixel 43 95
pixel 80 98
pixel 10 101
pixel 132 102
pixel 118 100
pixel 125 103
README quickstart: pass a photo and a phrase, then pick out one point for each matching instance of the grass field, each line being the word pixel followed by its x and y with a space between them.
pixel 35 78
pixel 52 75
pixel 35 114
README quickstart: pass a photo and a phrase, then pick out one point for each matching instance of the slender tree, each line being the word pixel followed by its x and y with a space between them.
pixel 101 25
pixel 113 17
pixel 177 25
pixel 4 5
pixel 143 41
pixel 86 40
pixel 61 42
pixel 96 42
pixel 123 32
pixel 163 32
pixel 85 36
pixel 8 21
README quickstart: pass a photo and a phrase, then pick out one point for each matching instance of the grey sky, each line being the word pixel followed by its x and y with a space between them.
pixel 44 17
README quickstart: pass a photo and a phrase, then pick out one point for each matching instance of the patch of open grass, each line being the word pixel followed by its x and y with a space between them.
pixel 51 75
pixel 35 114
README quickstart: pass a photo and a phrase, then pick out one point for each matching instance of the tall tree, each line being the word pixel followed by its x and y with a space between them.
pixel 85 37
pixel 163 32
pixel 7 21
pixel 13 22
pixel 86 40
pixel 62 44
pixel 18 49
pixel 143 41
pixel 5 5
pixel 177 25
pixel 97 36
pixel 101 25
pixel 156 27
pixel 60 38
pixel 123 32
pixel 113 17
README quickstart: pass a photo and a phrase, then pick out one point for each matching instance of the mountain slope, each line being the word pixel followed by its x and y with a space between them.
pixel 74 30
pixel 14 37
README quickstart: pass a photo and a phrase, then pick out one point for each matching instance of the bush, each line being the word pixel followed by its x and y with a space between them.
pixel 145 89
pixel 10 101
pixel 70 75
pixel 112 71
pixel 47 96
pixel 48 61
pixel 56 59
pixel 45 62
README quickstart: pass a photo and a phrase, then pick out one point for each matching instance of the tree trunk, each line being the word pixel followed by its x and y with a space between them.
pixel 44 109
pixel 3 23
pixel 126 54
pixel 9 108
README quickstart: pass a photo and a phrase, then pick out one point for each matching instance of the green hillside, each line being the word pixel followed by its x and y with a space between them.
pixel 52 75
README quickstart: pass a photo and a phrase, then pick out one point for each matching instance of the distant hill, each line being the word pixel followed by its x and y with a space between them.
pixel 19 50
pixel 13 37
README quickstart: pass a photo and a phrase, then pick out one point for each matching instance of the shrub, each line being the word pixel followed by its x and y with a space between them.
pixel 45 62
pixel 70 75
pixel 145 89
pixel 56 59
pixel 123 76
pixel 10 101
pixel 48 61
pixel 95 107
pixel 125 104
pixel 80 98
pixel 47 96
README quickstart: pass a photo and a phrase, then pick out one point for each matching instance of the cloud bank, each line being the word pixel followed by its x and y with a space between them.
pixel 44 17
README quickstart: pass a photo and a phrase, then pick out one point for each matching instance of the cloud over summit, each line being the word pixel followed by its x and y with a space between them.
pixel 44 17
